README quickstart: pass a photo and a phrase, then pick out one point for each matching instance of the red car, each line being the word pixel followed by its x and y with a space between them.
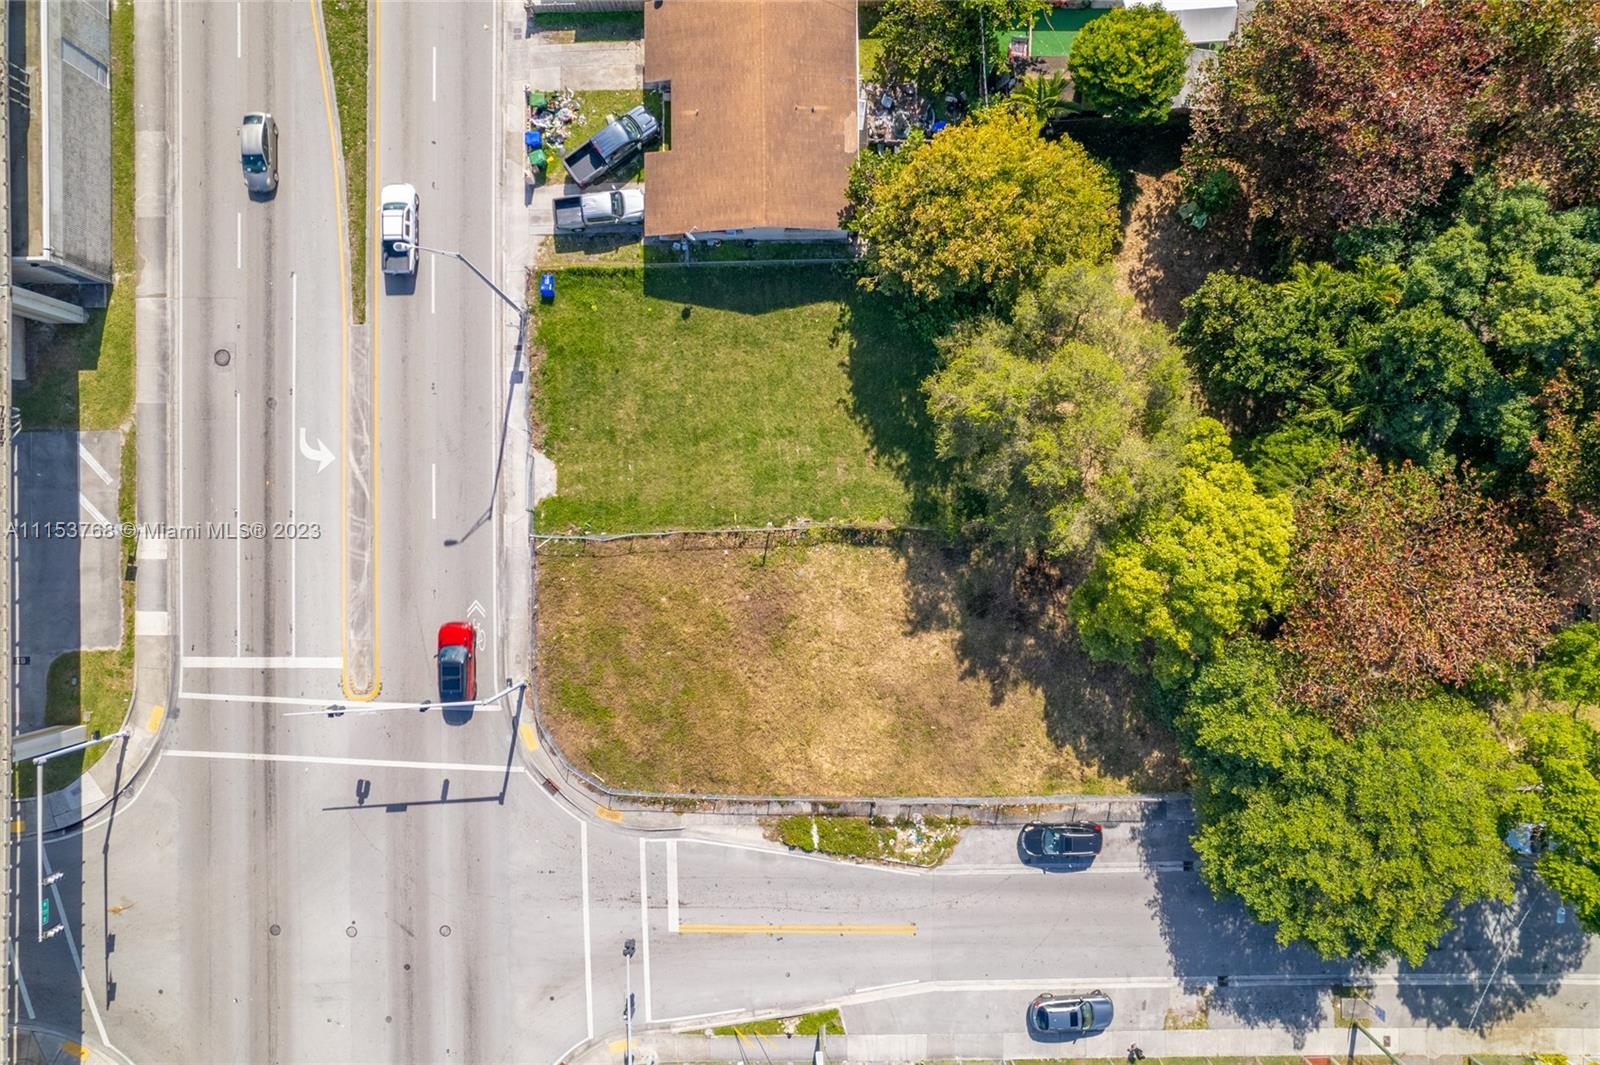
pixel 458 674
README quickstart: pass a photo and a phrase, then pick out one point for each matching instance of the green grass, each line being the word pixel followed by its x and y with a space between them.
pixel 682 398
pixel 592 25
pixel 595 105
pixel 869 45
pixel 735 251
pixel 926 842
pixel 827 1022
pixel 82 378
pixel 345 23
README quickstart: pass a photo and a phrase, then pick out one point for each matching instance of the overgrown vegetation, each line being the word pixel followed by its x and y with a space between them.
pixel 823 1022
pixel 345 28
pixel 594 105
pixel 918 840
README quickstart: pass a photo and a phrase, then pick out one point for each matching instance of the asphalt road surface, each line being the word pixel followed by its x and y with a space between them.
pixel 390 884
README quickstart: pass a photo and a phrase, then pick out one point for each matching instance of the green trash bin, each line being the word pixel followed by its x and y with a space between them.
pixel 537 100
pixel 537 160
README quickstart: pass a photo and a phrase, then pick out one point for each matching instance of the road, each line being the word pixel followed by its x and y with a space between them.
pixel 393 885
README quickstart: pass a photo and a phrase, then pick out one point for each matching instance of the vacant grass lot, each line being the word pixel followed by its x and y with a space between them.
pixel 830 670
pixel 698 396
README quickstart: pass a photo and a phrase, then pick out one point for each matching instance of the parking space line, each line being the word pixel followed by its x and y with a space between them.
pixel 94 511
pixel 672 886
pixel 94 464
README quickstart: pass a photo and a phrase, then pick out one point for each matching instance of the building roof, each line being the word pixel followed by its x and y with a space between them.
pixel 763 118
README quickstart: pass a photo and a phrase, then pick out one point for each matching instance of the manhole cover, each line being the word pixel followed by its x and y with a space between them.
pixel 222 357
pixel 275 929
pixel 444 930
pixel 351 931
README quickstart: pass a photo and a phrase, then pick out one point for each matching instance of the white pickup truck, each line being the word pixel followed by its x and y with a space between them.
pixel 399 221
pixel 599 209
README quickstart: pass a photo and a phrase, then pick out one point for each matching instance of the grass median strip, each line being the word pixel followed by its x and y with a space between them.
pixel 822 1022
pixel 913 840
pixel 345 25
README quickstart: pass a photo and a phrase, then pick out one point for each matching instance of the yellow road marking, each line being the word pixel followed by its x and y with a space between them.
pixel 609 814
pixel 157 712
pixel 689 929
pixel 530 738
pixel 19 826
pixel 77 1050
pixel 616 1045
pixel 339 212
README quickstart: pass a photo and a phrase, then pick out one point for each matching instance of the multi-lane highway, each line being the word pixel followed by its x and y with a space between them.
pixel 390 885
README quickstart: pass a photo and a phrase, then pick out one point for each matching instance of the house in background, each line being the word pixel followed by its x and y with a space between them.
pixel 760 101
pixel 58 82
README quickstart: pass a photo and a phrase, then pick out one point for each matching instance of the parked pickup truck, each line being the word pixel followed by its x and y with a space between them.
pixel 599 208
pixel 609 150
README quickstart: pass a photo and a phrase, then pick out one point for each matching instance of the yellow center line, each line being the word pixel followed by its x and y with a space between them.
pixel 689 929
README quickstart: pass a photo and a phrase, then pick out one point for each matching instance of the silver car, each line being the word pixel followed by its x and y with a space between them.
pixel 1070 1014
pixel 258 152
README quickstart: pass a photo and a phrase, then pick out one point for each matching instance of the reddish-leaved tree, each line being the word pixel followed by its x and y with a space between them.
pixel 1346 112
pixel 1403 579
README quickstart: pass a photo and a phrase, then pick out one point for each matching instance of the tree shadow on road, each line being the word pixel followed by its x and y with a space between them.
pixel 1521 937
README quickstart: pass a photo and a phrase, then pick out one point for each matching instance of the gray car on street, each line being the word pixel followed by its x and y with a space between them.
pixel 1070 1015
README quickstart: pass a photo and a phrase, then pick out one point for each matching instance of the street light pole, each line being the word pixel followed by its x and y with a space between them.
pixel 627 1004
pixel 522 315
pixel 38 819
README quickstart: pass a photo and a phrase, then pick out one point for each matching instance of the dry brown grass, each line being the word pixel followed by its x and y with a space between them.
pixel 1163 259
pixel 831 670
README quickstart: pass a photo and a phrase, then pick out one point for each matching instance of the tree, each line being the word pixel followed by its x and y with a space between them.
pixel 1345 112
pixel 1041 97
pixel 1565 753
pixel 1421 370
pixel 1185 576
pixel 1361 846
pixel 1569 669
pixel 1068 418
pixel 1403 580
pixel 941 45
pixel 1130 62
pixel 968 219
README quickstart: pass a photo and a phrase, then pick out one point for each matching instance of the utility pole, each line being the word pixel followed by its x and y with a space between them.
pixel 627 1004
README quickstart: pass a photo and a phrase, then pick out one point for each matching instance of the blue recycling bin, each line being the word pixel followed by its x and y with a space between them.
pixel 532 139
pixel 547 287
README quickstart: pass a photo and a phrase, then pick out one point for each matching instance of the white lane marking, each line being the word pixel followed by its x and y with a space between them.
pixel 780 852
pixel 91 462
pixel 435 73
pixel 538 783
pixel 22 985
pixel 644 929
pixel 885 987
pixel 433 486
pixel 267 662
pixel 72 949
pixel 433 290
pixel 238 29
pixel 294 423
pixel 321 705
pixel 588 961
pixel 238 516
pixel 238 240
pixel 364 763
pixel 94 511
pixel 672 886
pixel 492 171
pixel 177 302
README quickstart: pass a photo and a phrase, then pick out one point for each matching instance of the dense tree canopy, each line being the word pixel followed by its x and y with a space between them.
pixel 1068 418
pixel 1340 113
pixel 1569 668
pixel 1187 575
pixel 941 44
pixel 1130 62
pixel 1565 753
pixel 1402 580
pixel 971 217
pixel 1438 358
pixel 1361 845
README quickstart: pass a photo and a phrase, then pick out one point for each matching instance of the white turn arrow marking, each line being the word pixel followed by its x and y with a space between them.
pixel 475 608
pixel 320 454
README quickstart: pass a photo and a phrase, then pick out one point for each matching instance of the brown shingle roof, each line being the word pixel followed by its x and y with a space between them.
pixel 763 124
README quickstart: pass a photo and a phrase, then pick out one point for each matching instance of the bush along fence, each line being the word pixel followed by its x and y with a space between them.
pixel 746 538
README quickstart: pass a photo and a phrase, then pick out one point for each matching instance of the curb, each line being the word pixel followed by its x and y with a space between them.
pixel 153 633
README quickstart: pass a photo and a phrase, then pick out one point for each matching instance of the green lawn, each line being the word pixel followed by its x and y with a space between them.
pixel 807 1024
pixel 596 105
pixel 730 395
pixel 345 23
pixel 82 377
pixel 592 25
